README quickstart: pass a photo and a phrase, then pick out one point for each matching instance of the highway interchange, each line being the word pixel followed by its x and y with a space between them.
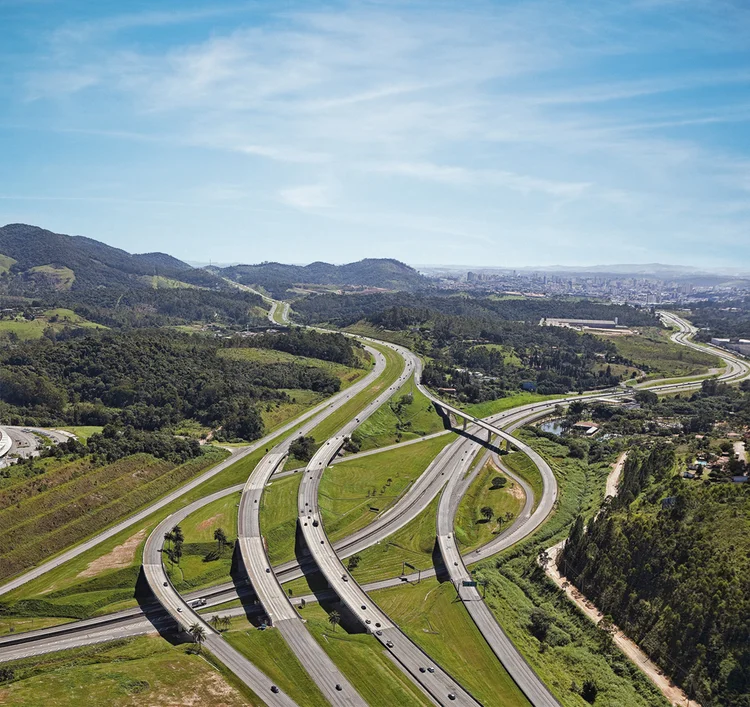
pixel 447 472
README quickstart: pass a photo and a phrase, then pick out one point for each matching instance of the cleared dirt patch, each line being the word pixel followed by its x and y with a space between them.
pixel 209 690
pixel 206 524
pixel 121 556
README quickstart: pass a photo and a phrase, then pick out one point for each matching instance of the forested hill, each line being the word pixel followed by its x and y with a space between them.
pixel 33 259
pixel 371 272
pixel 669 560
pixel 399 310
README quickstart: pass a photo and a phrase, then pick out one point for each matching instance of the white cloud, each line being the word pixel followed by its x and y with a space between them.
pixel 306 197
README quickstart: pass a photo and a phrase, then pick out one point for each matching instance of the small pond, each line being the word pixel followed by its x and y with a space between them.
pixel 553 426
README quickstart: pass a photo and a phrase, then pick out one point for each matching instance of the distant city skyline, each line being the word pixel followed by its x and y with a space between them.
pixel 508 133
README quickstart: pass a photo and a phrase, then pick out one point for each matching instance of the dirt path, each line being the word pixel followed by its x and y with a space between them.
pixel 673 693
pixel 613 480
pixel 739 450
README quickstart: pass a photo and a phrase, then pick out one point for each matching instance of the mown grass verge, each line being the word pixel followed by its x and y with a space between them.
pixel 354 492
pixel 430 615
pixel 472 529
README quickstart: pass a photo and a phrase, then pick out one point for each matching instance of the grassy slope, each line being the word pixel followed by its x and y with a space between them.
pixel 471 529
pixel 140 671
pixel 198 528
pixel 82 594
pixel 663 358
pixel 83 432
pixel 429 614
pixel 575 649
pixel 525 468
pixel 278 517
pixel 348 490
pixel 391 423
pixel 346 374
pixel 34 329
pixel 6 262
pixel 101 498
pixel 492 407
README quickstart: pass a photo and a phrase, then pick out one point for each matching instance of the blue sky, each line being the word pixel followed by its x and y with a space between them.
pixel 495 133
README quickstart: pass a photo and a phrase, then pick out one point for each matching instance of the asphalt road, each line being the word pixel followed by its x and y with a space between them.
pixel 185 616
pixel 279 609
pixel 736 370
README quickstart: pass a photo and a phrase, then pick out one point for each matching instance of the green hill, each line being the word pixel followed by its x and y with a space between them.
pixel 384 273
pixel 40 260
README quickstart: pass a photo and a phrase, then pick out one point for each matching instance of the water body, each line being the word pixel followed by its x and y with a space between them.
pixel 553 426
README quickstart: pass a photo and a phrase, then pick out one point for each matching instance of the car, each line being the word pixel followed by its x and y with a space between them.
pixel 268 570
pixel 378 633
pixel 367 621
pixel 363 607
pixel 422 669
pixel 430 669
pixel 166 584
pixel 338 687
pixel 344 577
pixel 274 689
pixel 315 524
pixel 179 609
pixel 377 624
pixel 389 644
pixel 451 696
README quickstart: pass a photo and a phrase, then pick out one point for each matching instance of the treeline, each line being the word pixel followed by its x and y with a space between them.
pixel 400 310
pixel 118 307
pixel 304 342
pixel 691 413
pixel 724 320
pixel 669 561
pixel 145 379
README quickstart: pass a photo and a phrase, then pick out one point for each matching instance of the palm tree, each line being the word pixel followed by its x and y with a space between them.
pixel 487 513
pixel 334 618
pixel 221 538
pixel 169 537
pixel 177 532
pixel 199 634
pixel 176 551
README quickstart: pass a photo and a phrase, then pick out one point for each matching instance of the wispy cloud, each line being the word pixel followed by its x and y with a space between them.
pixel 308 196
pixel 502 122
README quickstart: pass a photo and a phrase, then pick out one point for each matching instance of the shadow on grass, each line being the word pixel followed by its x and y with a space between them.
pixel 152 610
pixel 325 596
pixel 254 611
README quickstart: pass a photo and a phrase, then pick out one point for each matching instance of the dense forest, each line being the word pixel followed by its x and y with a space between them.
pixel 669 560
pixel 486 347
pixel 304 342
pixel 401 310
pixel 146 379
pixel 117 307
pixel 725 320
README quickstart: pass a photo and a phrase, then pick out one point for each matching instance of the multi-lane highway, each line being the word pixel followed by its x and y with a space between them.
pixel 441 687
pixel 449 467
pixel 275 601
